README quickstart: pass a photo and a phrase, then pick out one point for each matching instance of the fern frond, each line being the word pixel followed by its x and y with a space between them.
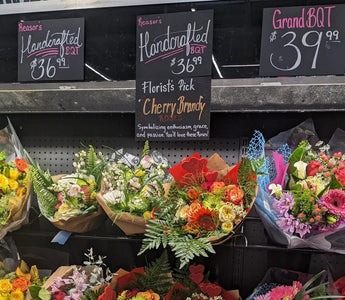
pixel 91 160
pixel 146 149
pixel 247 181
pixel 186 248
pixel 45 197
pixel 156 277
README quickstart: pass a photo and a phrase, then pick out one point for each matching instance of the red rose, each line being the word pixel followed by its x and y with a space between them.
pixel 341 177
pixel 313 167
pixel 339 284
pixel 58 296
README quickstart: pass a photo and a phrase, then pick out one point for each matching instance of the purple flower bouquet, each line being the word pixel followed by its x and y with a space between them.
pixel 301 200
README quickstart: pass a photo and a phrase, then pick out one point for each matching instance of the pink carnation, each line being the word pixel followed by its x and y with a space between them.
pixel 334 200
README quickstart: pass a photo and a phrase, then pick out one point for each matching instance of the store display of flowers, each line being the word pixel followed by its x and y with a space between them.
pixel 130 188
pixel 64 198
pixel 205 203
pixel 15 187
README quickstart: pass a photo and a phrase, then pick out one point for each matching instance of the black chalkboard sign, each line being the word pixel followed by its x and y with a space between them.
pixel 176 44
pixel 303 40
pixel 173 109
pixel 51 50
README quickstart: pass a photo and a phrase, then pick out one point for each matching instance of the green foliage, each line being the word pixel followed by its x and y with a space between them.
pixel 156 277
pixel 185 247
pixel 305 291
pixel 303 203
pixel 41 181
pixel 91 294
pixel 247 181
pixel 91 160
pixel 39 293
pixel 302 152
pixel 146 149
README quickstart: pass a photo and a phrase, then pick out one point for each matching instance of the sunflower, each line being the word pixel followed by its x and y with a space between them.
pixel 205 219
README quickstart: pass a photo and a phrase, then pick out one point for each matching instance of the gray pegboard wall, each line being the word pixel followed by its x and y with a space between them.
pixel 57 153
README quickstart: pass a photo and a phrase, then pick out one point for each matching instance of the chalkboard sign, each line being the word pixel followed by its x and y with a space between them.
pixel 173 109
pixel 303 40
pixel 176 44
pixel 51 50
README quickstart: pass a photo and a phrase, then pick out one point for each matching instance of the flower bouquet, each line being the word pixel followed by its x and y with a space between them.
pixel 279 284
pixel 130 188
pixel 85 282
pixel 15 182
pixel 14 285
pixel 69 201
pixel 206 202
pixel 303 202
pixel 152 282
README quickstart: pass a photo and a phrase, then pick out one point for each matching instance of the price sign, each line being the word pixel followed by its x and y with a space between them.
pixel 303 41
pixel 173 109
pixel 51 50
pixel 176 44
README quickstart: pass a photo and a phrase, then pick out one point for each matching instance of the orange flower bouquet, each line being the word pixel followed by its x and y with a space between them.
pixel 206 202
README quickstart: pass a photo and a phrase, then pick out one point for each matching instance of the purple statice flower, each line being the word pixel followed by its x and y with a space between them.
pixel 302 228
pixel 287 223
pixel 283 205
pixel 74 295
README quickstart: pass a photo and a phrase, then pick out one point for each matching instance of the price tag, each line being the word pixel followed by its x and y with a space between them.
pixel 303 41
pixel 51 50
pixel 176 44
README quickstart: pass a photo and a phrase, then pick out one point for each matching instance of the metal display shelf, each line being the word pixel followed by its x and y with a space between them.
pixel 285 94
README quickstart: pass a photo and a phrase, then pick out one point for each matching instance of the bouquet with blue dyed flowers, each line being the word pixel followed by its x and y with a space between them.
pixel 302 197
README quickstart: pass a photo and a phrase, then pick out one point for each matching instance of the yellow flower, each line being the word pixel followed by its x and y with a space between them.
pixel 14 174
pixel 226 213
pixel 64 207
pixel 139 173
pixel 227 227
pixel 13 184
pixel 5 286
pixel 3 181
pixel 4 296
pixel 147 215
pixel 21 274
pixel 17 295
pixel 93 195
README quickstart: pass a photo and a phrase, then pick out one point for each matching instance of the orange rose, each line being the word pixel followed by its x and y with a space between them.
pixel 20 283
pixel 149 295
pixel 193 194
pixel 235 195
pixel 217 185
pixel 21 164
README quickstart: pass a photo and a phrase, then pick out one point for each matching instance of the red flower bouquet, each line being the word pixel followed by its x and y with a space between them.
pixel 204 205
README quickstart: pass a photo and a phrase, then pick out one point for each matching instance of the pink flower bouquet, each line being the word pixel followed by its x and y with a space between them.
pixel 302 200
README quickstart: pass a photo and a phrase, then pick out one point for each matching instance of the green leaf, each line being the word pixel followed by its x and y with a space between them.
pixel 335 184
pixel 44 294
